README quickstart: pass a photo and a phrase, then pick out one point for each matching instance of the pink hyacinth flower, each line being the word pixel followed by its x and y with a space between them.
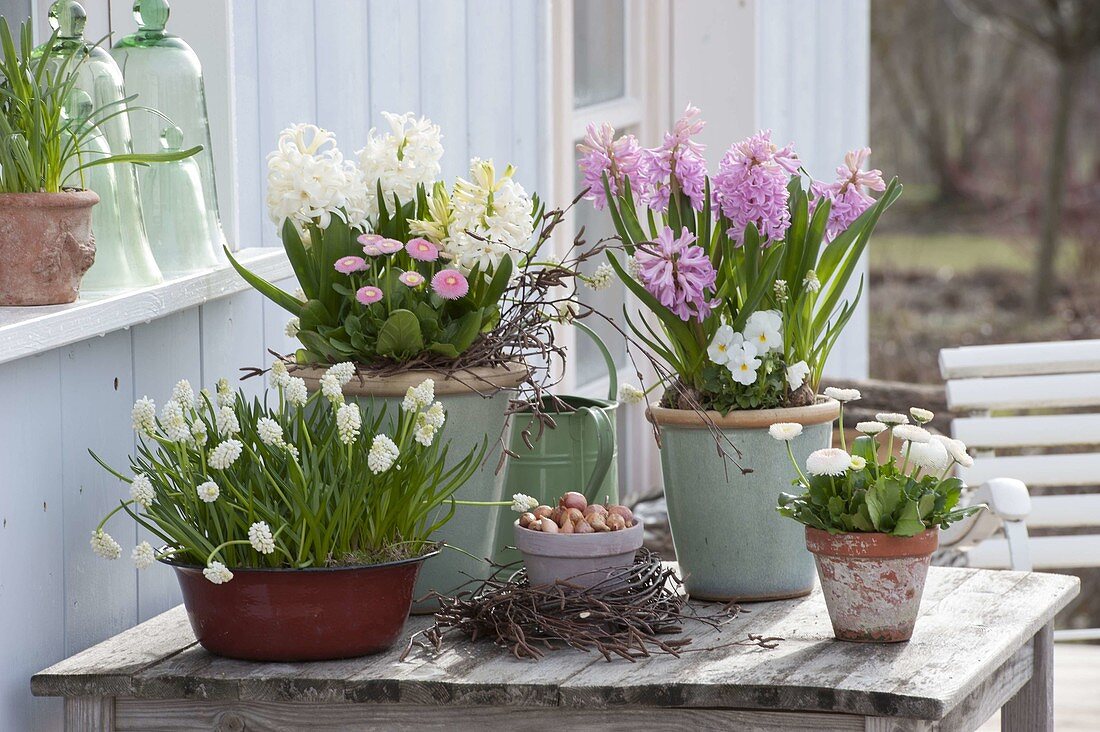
pixel 347 265
pixel 411 279
pixel 368 295
pixel 678 273
pixel 390 246
pixel 450 284
pixel 847 197
pixel 422 250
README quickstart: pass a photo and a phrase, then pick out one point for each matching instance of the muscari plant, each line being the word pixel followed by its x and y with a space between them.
pixel 743 271
pixel 857 491
pixel 43 143
pixel 294 481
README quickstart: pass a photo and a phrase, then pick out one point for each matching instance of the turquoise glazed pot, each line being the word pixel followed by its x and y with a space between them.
pixel 476 402
pixel 730 541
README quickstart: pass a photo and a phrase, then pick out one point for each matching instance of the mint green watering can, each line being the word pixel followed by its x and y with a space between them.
pixel 579 454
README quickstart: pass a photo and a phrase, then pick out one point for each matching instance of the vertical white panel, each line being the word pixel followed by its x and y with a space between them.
pixel 232 339
pixel 489 46
pixel 394 57
pixel 526 112
pixel 443 95
pixel 164 351
pixel 32 577
pixel 96 391
pixel 343 71
pixel 275 320
pixel 251 216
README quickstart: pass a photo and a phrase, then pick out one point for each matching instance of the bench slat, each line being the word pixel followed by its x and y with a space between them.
pixel 1047 430
pixel 1020 359
pixel 1048 512
pixel 1037 470
pixel 1024 392
pixel 1047 552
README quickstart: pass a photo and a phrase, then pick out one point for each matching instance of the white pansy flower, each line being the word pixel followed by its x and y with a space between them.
pixel 891 418
pixel 956 449
pixel 931 456
pixel 104 545
pixel 425 435
pixel 342 372
pixel 521 503
pixel 796 375
pixel 296 392
pixel 785 431
pixel 225 419
pixel 270 431
pixel 208 491
pixel 330 387
pixel 829 461
pixel 436 416
pixel 764 329
pixel 224 455
pixel 725 343
pixel 842 395
pixel 921 416
pixel 743 364
pixel 141 490
pixel 871 428
pixel 383 453
pixel 279 376
pixel 225 394
pixel 630 394
pixel 172 420
pixel 259 536
pixel 183 393
pixel 292 327
pixel 602 278
pixel 912 433
pixel 217 573
pixel 348 422
pixel 143 555
pixel 144 416
pixel 858 463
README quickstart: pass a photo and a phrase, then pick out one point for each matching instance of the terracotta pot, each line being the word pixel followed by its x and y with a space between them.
pixel 46 246
pixel 583 559
pixel 872 582
pixel 731 543
pixel 300 614
pixel 477 409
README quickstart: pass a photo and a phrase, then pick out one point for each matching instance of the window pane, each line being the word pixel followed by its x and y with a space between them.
pixel 599 66
pixel 590 363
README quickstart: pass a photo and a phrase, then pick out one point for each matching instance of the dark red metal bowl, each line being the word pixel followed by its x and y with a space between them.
pixel 300 614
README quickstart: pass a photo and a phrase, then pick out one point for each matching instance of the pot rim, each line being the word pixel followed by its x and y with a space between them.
pixel 79 198
pixel 307 570
pixel 872 544
pixel 823 411
pixel 464 381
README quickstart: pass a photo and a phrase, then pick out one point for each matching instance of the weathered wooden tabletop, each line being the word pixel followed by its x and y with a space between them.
pixel 982 640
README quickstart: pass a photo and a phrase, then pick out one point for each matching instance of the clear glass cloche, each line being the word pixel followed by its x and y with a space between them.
pixel 166 75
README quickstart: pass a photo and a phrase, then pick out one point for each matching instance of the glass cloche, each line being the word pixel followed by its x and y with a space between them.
pixel 166 75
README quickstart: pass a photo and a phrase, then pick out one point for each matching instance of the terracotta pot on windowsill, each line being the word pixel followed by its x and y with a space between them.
pixel 46 246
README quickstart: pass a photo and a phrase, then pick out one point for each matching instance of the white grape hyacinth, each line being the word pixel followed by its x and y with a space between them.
pixel 521 503
pixel 143 555
pixel 173 422
pixel 225 419
pixel 279 377
pixel 331 388
pixel 141 490
pixel 224 455
pixel 601 278
pixel 796 374
pixel 383 453
pixel 270 431
pixel 419 397
pixel 208 491
pixel 292 327
pixel 912 433
pixel 343 372
pixel 144 416
pixel 198 432
pixel 843 395
pixel 424 434
pixel 104 545
pixel 436 416
pixel 296 392
pixel 785 431
pixel 931 456
pixel 217 573
pixel 183 393
pixel 225 397
pixel 348 422
pixel 630 394
pixel 259 536
pixel 831 461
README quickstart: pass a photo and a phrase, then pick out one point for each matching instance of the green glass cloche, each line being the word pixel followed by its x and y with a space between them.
pixel 166 75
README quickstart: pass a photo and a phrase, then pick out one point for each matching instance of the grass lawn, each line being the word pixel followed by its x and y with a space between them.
pixel 959 253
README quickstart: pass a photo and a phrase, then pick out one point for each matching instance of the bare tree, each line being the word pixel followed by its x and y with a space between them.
pixel 1068 31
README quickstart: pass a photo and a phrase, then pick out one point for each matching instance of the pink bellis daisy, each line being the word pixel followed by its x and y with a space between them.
pixel 411 279
pixel 422 250
pixel 347 265
pixel 677 273
pixel 848 200
pixel 390 246
pixel 368 295
pixel 450 284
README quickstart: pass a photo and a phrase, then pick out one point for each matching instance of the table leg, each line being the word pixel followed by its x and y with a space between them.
pixel 89 714
pixel 1032 709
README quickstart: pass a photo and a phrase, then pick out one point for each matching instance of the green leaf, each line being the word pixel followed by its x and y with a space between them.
pixel 399 337
pixel 444 349
pixel 283 299
pixel 909 523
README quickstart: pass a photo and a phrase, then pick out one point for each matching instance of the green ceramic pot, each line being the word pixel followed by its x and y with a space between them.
pixel 730 541
pixel 476 402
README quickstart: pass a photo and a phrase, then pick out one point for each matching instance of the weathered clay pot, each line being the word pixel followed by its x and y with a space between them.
pixel 872 582
pixel 476 402
pixel 584 560
pixel 46 246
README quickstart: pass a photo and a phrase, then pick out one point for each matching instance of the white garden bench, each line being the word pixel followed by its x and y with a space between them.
pixel 1041 402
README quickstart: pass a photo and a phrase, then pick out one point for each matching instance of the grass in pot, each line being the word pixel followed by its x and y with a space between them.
pixel 872 524
pixel 296 525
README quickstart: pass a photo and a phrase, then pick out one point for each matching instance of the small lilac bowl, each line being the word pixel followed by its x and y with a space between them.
pixel 583 560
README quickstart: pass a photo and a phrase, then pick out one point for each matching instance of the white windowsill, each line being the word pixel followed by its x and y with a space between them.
pixel 26 331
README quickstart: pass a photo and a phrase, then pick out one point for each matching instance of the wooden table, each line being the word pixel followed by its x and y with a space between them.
pixel 983 641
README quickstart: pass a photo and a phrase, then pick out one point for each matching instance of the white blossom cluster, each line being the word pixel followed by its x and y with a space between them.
pixel 143 555
pixel 602 278
pixel 104 545
pixel 383 453
pixel 491 217
pixel 208 491
pixel 742 353
pixel 420 396
pixel 348 422
pixel 259 536
pixel 399 160
pixel 217 573
pixel 225 454
pixel 309 180
pixel 141 490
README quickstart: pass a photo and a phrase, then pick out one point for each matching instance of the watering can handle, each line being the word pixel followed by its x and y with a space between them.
pixel 605 437
pixel 612 371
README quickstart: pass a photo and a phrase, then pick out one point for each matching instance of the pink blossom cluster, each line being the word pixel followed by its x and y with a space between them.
pixel 449 284
pixel 678 273
pixel 601 153
pixel 751 186
pixel 847 198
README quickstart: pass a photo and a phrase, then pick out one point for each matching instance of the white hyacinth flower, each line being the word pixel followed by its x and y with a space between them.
pixel 259 536
pixel 764 329
pixel 912 433
pixel 208 491
pixel 829 461
pixel 796 374
pixel 270 431
pixel 931 456
pixel 842 395
pixel 921 416
pixel 225 394
pixel 871 428
pixel 225 419
pixel 342 372
pixel 601 278
pixel 104 545
pixel 858 463
pixel 141 490
pixel 785 431
pixel 436 416
pixel 891 418
pixel 956 449
pixel 383 453
pixel 144 416
pixel 217 573
pixel 172 420
pixel 425 435
pixel 348 422
pixel 279 376
pixel 292 327
pixel 724 345
pixel 143 555
pixel 198 432
pixel 183 393
pixel 630 394
pixel 296 392
pixel 409 402
pixel 224 455
pixel 330 387
pixel 743 364
pixel 521 503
